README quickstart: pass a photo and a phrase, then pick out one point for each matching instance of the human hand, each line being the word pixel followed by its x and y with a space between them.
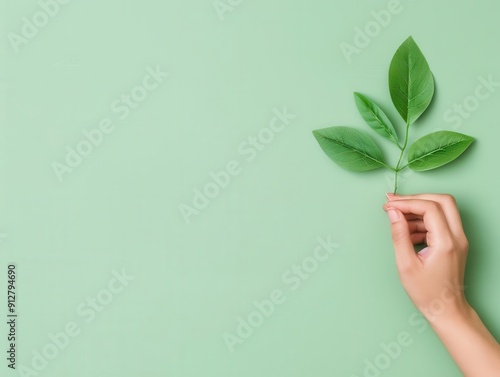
pixel 433 277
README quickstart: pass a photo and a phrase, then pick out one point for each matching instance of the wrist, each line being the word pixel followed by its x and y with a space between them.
pixel 453 314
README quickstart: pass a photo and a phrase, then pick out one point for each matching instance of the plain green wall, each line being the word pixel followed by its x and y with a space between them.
pixel 119 208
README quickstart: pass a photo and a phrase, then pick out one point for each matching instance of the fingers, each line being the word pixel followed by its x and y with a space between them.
pixel 448 204
pixel 416 226
pixel 419 238
pixel 432 214
pixel 402 239
pixel 411 216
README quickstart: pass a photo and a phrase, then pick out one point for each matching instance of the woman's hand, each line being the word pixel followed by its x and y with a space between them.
pixel 433 278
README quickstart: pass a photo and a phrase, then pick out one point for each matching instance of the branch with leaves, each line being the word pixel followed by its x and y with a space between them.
pixel 411 85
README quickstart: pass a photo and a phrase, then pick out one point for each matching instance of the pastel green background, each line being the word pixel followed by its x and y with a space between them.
pixel 119 208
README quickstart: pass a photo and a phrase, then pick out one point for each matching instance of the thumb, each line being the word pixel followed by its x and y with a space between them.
pixel 403 246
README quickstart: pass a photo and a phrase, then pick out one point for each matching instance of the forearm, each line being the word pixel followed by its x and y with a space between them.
pixel 469 342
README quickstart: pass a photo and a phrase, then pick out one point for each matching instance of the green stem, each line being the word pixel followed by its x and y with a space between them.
pixel 398 168
pixel 396 182
pixel 388 167
pixel 399 145
pixel 404 167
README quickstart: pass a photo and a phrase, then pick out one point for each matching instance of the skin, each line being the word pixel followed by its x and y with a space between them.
pixel 434 277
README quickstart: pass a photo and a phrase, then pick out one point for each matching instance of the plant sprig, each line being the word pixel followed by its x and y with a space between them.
pixel 411 85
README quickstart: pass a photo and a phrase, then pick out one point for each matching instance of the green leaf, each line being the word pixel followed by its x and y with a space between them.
pixel 410 81
pixel 376 118
pixel 437 149
pixel 351 148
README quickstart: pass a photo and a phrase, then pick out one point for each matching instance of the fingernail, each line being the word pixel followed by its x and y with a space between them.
pixel 389 196
pixel 424 251
pixel 393 215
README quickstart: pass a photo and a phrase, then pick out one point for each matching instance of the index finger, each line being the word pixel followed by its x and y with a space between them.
pixel 432 214
pixel 448 204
